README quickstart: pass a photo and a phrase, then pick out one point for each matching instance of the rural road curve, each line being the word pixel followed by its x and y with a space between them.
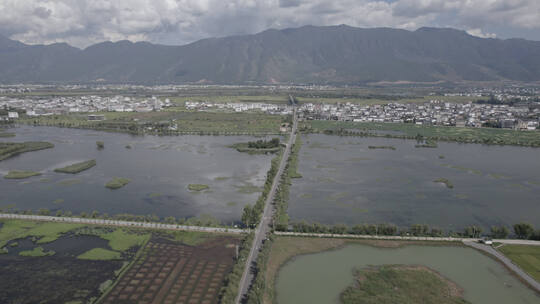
pixel 264 226
pixel 507 262
pixel 92 221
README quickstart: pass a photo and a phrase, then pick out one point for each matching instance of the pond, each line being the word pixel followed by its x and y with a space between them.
pixel 160 169
pixel 321 277
pixel 344 181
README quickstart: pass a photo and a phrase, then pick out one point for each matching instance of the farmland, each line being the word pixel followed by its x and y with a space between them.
pixel 432 133
pixel 168 271
pixel 114 265
pixel 41 256
pixel 183 122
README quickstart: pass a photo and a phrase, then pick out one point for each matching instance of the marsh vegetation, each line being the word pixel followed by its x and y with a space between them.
pixel 76 168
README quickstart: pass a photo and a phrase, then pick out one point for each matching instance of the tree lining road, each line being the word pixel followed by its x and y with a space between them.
pixel 264 226
pixel 406 238
pixel 92 221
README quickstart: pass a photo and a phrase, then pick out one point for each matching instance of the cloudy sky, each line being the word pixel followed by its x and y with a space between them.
pixel 84 22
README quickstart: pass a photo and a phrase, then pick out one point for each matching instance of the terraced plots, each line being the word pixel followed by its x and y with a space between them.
pixel 169 272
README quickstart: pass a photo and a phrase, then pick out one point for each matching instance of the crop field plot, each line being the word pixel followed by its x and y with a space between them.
pixel 37 258
pixel 172 272
pixel 52 279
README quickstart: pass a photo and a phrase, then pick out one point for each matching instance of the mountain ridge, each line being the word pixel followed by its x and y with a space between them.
pixel 310 54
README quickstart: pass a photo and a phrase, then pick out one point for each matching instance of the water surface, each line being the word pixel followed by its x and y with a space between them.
pixel 320 278
pixel 160 169
pixel 346 182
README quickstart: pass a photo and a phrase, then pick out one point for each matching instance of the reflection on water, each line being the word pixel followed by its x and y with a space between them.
pixel 160 169
pixel 321 277
pixel 346 182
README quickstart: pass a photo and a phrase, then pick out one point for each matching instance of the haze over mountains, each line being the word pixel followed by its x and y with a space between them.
pixel 333 55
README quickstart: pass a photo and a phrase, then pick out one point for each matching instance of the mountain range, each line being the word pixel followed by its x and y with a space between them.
pixel 309 54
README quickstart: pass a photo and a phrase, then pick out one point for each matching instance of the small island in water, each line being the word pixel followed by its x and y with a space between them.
pixel 401 284
pixel 76 168
pixel 15 174
pixel 117 183
pixel 198 187
pixel 258 147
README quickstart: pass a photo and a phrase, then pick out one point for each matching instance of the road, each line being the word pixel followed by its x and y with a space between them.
pixel 507 262
pixel 264 226
pixel 406 238
pixel 92 221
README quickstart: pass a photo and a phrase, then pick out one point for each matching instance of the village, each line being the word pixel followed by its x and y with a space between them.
pixel 81 104
pixel 524 114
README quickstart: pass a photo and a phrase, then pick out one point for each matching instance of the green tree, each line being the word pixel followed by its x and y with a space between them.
pixel 44 211
pixel 473 231
pixel 358 229
pixel 247 216
pixel 338 229
pixel 170 220
pixel 419 229
pixel 499 232
pixel 523 230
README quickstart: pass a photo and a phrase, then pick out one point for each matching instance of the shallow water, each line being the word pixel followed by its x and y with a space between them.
pixel 160 169
pixel 346 182
pixel 320 278
pixel 68 245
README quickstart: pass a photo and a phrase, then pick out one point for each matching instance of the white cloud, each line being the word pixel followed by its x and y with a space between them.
pixel 479 33
pixel 83 22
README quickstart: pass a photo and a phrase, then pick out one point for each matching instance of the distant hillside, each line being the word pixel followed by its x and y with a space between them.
pixel 335 54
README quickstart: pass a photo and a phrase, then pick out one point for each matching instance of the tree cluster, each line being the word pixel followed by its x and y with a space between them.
pixel 264 144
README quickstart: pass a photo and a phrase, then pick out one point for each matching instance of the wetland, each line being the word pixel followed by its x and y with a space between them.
pixel 346 181
pixel 159 169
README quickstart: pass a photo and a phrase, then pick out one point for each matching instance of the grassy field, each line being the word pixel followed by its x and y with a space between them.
pixel 8 150
pixel 180 101
pixel 526 257
pixel 466 135
pixel 401 284
pixel 117 183
pixel 191 238
pixel 15 174
pixel 100 254
pixel 159 122
pixel 78 167
pixel 122 240
pixel 44 232
pixel 36 252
